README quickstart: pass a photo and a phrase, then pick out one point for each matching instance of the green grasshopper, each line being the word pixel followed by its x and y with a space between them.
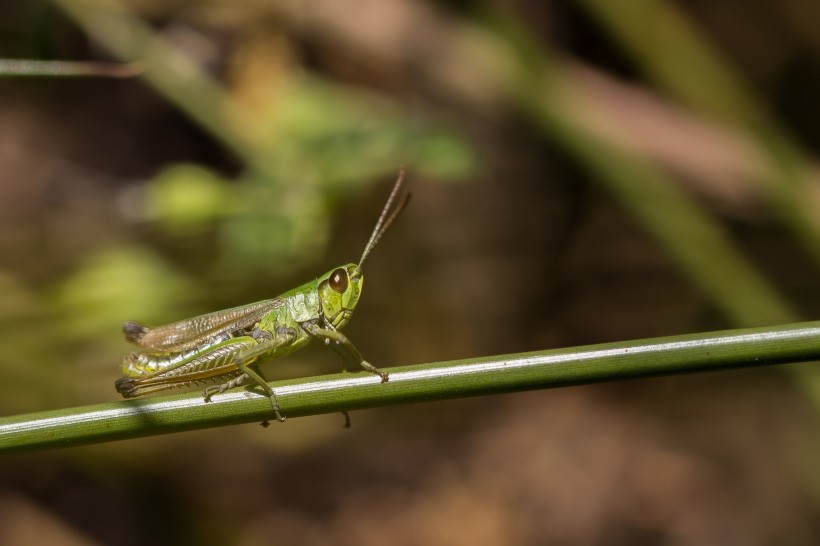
pixel 228 345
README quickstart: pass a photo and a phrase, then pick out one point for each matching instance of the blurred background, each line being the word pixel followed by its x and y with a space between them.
pixel 582 172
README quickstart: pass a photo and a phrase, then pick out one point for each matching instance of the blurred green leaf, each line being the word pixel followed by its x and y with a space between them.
pixel 328 134
pixel 185 197
pixel 277 231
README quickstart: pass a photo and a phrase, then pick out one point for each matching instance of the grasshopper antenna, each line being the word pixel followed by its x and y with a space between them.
pixel 386 218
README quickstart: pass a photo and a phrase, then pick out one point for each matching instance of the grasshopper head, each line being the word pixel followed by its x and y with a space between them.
pixel 339 291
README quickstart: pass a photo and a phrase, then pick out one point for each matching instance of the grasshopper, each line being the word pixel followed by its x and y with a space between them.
pixel 229 345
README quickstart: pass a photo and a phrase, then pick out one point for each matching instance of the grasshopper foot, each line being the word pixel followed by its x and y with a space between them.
pixel 373 369
pixel 275 403
pixel 212 390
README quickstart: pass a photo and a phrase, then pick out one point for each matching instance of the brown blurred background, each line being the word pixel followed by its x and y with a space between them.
pixel 582 172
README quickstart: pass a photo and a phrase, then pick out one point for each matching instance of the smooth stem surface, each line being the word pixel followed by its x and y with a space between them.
pixel 423 382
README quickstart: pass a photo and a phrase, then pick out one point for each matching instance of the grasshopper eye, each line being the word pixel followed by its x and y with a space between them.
pixel 338 280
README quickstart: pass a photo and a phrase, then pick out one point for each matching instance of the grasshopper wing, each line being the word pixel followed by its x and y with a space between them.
pixel 189 333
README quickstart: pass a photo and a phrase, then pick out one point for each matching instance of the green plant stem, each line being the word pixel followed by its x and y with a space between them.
pixel 419 383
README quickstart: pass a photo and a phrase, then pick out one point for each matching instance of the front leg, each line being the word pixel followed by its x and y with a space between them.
pixel 339 342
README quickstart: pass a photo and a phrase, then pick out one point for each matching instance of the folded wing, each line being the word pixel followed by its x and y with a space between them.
pixel 189 333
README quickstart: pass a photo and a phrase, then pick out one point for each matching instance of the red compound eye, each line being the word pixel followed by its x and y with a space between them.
pixel 338 280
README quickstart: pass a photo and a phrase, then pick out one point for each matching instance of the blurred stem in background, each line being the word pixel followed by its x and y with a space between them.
pixel 63 69
pixel 173 74
pixel 669 52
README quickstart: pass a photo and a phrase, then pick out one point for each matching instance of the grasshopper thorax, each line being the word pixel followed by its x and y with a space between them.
pixel 339 292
